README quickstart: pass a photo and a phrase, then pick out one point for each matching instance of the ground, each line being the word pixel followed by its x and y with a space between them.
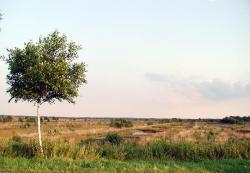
pixel 74 130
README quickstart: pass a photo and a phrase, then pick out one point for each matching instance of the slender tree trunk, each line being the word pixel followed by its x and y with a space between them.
pixel 39 128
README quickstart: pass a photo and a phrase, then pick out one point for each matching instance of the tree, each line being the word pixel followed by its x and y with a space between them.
pixel 45 72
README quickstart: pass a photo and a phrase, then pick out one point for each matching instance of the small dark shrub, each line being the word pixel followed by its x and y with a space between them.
pixel 121 123
pixel 113 138
pixel 27 150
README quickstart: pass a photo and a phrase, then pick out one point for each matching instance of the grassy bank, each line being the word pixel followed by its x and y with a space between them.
pixel 113 154
pixel 103 165
pixel 112 149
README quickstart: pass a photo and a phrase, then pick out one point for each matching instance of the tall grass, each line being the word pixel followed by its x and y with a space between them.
pixel 162 150
pixel 50 150
pixel 155 150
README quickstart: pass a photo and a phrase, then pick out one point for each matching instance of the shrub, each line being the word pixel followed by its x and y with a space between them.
pixel 27 150
pixel 114 139
pixel 121 123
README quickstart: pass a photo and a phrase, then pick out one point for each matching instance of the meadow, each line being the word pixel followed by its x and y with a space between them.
pixel 124 145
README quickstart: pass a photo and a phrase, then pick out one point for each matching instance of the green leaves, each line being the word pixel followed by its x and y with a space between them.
pixel 45 71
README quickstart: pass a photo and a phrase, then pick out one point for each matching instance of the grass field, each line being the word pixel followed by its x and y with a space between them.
pixel 92 145
pixel 76 130
pixel 45 165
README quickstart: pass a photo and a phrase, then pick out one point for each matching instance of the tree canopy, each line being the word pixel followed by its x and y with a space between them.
pixel 45 71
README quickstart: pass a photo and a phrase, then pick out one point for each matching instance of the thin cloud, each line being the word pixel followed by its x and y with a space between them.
pixel 216 89
pixel 221 90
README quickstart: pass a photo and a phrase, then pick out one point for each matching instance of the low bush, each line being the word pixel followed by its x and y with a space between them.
pixel 120 123
pixel 113 138
pixel 27 150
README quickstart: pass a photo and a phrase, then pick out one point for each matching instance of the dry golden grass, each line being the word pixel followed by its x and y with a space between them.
pixel 76 130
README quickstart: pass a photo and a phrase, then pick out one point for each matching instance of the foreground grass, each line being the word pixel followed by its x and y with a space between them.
pixel 104 165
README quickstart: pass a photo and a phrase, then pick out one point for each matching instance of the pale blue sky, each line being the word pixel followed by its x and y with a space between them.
pixel 152 58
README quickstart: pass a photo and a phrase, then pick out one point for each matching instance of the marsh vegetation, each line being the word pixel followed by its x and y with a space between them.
pixel 92 140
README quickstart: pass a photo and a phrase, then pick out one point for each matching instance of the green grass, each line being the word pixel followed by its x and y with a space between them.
pixel 104 165
pixel 112 149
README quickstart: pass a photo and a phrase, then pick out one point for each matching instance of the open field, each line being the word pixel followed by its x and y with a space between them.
pixel 75 130
pixel 131 145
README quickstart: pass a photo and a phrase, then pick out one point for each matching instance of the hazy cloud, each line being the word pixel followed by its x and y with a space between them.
pixel 216 89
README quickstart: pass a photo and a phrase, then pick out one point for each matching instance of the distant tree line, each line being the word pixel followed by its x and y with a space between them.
pixel 170 120
pixel 6 119
pixel 235 120
pixel 227 120
pixel 28 119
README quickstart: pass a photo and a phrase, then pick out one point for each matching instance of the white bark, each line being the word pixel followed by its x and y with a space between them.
pixel 39 128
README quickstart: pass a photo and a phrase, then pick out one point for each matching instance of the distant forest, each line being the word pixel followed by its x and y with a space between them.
pixel 235 120
pixel 226 120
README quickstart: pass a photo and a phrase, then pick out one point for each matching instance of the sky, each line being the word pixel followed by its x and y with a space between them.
pixel 146 58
